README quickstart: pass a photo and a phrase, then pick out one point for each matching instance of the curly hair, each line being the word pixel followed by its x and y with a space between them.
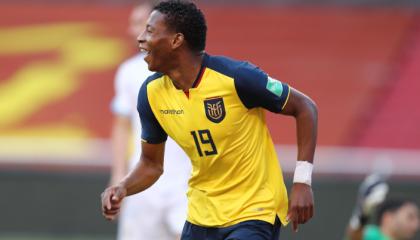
pixel 184 17
pixel 390 205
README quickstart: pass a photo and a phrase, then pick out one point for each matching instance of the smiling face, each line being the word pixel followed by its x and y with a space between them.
pixel 159 43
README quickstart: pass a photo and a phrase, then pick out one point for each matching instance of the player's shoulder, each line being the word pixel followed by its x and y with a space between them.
pixel 151 80
pixel 229 66
pixel 155 76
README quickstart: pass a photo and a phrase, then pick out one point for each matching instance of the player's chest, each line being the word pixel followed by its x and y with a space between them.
pixel 215 112
pixel 199 107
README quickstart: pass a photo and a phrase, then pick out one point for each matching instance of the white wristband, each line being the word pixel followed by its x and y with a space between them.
pixel 303 172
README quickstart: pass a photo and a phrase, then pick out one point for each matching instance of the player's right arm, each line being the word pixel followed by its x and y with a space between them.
pixel 148 169
pixel 146 172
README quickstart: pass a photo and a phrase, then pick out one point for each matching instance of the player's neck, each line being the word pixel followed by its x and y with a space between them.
pixel 186 71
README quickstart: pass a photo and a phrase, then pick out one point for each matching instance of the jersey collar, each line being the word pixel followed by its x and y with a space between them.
pixel 201 72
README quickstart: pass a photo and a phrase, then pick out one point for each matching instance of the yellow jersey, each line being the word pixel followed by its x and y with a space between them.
pixel 220 123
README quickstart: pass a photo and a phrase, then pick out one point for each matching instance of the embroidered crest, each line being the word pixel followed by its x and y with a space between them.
pixel 215 109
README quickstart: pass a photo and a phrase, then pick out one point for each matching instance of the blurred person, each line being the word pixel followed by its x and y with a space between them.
pixel 372 192
pixel 214 108
pixel 159 213
pixel 396 219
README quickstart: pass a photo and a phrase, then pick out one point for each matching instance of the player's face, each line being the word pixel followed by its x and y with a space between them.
pixel 156 42
pixel 406 221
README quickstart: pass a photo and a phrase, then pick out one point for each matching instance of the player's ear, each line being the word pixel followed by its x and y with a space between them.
pixel 178 40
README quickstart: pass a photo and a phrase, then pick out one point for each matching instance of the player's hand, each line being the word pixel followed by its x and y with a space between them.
pixel 111 201
pixel 301 205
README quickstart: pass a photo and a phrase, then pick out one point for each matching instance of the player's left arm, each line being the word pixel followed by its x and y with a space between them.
pixel 256 89
pixel 304 110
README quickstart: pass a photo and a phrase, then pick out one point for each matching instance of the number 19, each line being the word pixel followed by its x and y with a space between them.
pixel 204 138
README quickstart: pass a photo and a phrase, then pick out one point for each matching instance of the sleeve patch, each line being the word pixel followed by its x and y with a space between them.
pixel 274 86
pixel 256 89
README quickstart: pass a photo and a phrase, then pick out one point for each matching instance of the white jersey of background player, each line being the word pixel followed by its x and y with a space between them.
pixel 158 213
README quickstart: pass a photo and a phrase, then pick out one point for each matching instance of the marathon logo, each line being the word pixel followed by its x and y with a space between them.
pixel 172 112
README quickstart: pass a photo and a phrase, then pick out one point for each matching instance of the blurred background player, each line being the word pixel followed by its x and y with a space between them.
pixel 396 219
pixel 159 212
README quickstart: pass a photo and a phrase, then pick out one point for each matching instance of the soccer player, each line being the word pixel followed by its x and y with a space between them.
pixel 152 214
pixel 214 108
pixel 396 219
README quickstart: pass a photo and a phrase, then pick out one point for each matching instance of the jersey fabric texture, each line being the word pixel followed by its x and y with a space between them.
pixel 373 232
pixel 220 124
pixel 160 211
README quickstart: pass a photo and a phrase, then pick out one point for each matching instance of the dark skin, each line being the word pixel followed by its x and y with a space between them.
pixel 302 108
pixel 168 53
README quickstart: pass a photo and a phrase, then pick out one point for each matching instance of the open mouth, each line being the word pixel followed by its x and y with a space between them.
pixel 144 50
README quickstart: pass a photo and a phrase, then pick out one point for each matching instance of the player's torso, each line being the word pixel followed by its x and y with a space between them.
pixel 229 146
pixel 203 122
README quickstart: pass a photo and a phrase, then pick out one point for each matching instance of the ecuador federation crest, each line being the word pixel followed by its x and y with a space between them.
pixel 215 109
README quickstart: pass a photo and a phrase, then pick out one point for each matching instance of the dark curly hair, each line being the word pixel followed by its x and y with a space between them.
pixel 184 17
pixel 390 205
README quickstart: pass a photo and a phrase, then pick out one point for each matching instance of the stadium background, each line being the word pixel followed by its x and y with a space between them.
pixel 359 60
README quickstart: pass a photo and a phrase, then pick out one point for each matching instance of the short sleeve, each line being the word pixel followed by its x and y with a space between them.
pixel 256 89
pixel 121 104
pixel 152 131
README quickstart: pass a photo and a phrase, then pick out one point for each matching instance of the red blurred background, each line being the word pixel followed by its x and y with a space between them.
pixel 360 63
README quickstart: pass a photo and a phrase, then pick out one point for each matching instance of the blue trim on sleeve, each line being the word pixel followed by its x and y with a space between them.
pixel 284 96
pixel 253 90
pixel 152 131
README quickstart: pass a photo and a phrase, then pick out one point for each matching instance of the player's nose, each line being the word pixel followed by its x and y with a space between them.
pixel 141 37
